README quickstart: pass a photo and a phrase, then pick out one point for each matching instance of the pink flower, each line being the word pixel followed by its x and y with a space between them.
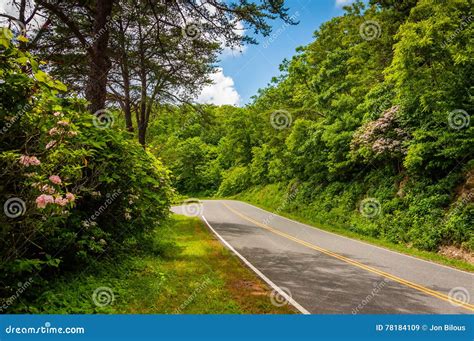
pixel 43 200
pixel 47 189
pixel 50 144
pixel 61 201
pixel 55 179
pixel 53 131
pixel 26 160
pixel 63 123
pixel 57 113
pixel 72 133
pixel 70 197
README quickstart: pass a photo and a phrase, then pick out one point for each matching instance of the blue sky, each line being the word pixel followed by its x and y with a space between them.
pixel 242 74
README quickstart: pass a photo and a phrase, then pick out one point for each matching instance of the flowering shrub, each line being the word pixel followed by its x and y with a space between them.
pixel 70 191
pixel 380 138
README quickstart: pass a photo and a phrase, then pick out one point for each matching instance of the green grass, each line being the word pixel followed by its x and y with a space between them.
pixel 270 198
pixel 183 270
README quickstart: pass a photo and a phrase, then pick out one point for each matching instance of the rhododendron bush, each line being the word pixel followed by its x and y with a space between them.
pixel 380 138
pixel 68 191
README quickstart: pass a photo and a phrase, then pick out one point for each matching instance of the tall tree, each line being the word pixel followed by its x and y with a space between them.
pixel 88 25
pixel 98 17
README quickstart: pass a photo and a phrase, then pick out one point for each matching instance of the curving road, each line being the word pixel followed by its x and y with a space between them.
pixel 324 273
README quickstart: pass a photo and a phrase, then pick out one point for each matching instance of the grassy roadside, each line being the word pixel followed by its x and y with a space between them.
pixel 184 270
pixel 270 200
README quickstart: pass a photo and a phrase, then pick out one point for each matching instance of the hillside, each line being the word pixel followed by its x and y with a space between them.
pixel 367 128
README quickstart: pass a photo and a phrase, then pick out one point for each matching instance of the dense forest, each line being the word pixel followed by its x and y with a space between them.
pixel 368 127
pixel 370 123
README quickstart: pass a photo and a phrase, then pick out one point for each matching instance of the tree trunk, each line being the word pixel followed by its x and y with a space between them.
pixel 142 123
pixel 126 89
pixel 142 135
pixel 128 114
pixel 99 63
pixel 21 18
pixel 124 66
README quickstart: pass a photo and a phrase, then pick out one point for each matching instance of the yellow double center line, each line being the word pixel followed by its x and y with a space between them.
pixel 415 286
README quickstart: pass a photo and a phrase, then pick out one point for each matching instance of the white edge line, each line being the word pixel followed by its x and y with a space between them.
pixel 352 239
pixel 258 272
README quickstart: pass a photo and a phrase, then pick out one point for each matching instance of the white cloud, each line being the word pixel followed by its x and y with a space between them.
pixel 341 3
pixel 221 92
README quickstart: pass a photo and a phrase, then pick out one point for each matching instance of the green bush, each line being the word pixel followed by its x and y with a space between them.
pixel 235 180
pixel 72 187
pixel 348 118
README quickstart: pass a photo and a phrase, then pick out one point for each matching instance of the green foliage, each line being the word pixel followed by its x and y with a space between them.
pixel 80 190
pixel 433 55
pixel 234 180
pixel 382 115
pixel 181 260
pixel 191 165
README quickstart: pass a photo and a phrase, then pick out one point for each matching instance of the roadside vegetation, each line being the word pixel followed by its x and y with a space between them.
pixel 275 198
pixel 183 269
pixel 367 128
pixel 79 84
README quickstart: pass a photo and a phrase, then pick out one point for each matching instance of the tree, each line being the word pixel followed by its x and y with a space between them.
pixel 90 26
pixel 94 21
pixel 155 65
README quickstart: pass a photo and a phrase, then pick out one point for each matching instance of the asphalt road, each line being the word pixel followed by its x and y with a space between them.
pixel 324 273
